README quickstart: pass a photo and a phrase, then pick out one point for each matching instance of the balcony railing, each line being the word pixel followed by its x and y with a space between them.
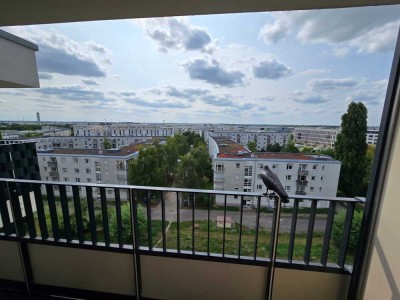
pixel 67 215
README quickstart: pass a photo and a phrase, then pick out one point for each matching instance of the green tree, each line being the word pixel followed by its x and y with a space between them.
pixel 126 223
pixel 1 136
pixel 274 148
pixel 290 146
pixel 149 168
pixel 252 146
pixel 107 144
pixel 351 148
pixel 369 160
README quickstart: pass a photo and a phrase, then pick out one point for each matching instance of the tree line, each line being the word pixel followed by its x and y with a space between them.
pixel 182 161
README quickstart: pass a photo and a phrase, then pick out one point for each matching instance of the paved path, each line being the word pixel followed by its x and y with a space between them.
pixel 249 216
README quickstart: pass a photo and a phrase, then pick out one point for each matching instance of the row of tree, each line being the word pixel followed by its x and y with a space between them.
pixel 182 161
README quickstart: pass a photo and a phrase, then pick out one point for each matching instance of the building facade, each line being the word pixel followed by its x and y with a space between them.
pixel 88 166
pixel 237 169
pixel 316 136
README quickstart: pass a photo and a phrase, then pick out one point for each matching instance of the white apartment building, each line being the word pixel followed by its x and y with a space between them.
pixel 262 138
pixel 237 169
pixel 372 136
pixel 316 136
pixel 88 166
pixel 123 130
pixel 77 142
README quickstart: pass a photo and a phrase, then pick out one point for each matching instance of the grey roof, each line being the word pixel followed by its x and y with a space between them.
pixel 18 40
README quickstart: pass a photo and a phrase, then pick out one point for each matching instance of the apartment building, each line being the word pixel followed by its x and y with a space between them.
pixel 316 136
pixel 88 166
pixel 77 142
pixel 123 129
pixel 237 169
pixel 261 137
pixel 372 136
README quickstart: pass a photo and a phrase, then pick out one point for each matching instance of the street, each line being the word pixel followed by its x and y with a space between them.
pixel 249 216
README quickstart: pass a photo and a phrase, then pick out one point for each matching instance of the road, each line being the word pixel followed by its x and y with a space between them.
pixel 249 217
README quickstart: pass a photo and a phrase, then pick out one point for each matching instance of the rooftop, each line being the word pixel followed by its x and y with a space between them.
pixel 123 151
pixel 231 149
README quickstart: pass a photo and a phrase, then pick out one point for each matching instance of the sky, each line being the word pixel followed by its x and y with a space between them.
pixel 298 67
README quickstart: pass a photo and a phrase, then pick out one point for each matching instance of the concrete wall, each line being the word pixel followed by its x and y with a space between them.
pixel 383 281
pixel 17 65
pixel 170 278
pixel 10 263
pixel 83 269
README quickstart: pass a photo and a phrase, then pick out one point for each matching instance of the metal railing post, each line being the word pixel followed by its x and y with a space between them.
pixel 275 232
pixel 135 244
pixel 22 249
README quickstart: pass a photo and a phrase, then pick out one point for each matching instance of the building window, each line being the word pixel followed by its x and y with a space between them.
pixel 247 182
pixel 322 178
pixel 97 165
pixel 259 187
pixel 75 160
pixel 247 190
pixel 303 178
pixel 311 188
pixel 76 171
pixel 88 171
pixel 303 167
pixel 312 177
pixel 248 171
pixel 65 170
pixel 98 177
pixel 219 167
pixel 65 178
pixel 288 177
pixel 89 180
pixel 289 167
pixel 237 165
pixel 301 188
pixel 260 166
pixel 274 166
pixel 258 176
pixel 323 167
pixel 314 167
pixel 320 189
pixel 45 168
pixel 87 160
pixel 287 187
pixel 77 179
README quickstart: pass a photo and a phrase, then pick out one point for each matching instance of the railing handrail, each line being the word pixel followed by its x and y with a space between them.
pixel 183 190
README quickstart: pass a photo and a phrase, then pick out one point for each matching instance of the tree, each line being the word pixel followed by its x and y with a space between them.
pixel 107 144
pixel 351 148
pixel 274 148
pixel 126 224
pixel 252 146
pixel 1 136
pixel 290 146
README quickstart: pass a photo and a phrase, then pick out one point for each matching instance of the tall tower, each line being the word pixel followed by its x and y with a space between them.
pixel 38 117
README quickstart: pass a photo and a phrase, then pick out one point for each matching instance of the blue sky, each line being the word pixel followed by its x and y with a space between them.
pixel 300 67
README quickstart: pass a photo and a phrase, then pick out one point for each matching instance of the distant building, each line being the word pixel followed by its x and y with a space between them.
pixel 236 169
pixel 262 138
pixel 372 136
pixel 316 136
pixel 88 166
pixel 38 117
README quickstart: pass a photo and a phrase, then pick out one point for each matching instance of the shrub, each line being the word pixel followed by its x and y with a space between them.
pixel 338 225
pixel 126 223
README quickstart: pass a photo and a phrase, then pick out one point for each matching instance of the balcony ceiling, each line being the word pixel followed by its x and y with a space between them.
pixel 24 12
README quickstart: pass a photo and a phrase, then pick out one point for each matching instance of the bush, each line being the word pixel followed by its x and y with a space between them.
pixel 126 223
pixel 337 231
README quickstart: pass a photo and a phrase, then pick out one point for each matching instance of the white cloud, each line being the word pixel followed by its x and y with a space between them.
pixel 331 83
pixel 272 33
pixel 270 68
pixel 368 29
pixel 178 33
pixel 61 54
pixel 340 52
